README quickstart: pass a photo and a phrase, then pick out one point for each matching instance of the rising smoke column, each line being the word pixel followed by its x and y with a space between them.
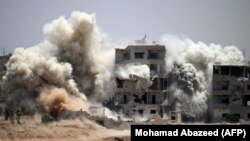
pixel 82 48
pixel 190 67
pixel 70 59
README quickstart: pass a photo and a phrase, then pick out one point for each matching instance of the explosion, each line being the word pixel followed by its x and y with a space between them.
pixel 72 68
pixel 190 67
pixel 67 65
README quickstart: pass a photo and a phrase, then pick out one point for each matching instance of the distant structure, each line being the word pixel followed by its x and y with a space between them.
pixel 149 98
pixel 3 60
pixel 231 92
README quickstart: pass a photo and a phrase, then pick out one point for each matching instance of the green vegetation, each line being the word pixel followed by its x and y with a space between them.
pixel 46 118
pixel 231 118
pixel 18 112
pixel 13 113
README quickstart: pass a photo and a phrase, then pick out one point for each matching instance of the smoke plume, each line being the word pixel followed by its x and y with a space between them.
pixel 69 63
pixel 57 100
pixel 190 67
pixel 126 71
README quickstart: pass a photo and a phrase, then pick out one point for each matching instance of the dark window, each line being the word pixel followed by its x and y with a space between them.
pixel 237 115
pixel 224 87
pixel 237 71
pixel 126 55
pixel 154 85
pixel 225 70
pixel 144 98
pixel 216 70
pixel 164 84
pixel 153 55
pixel 125 99
pixel 247 72
pixel 101 122
pixel 139 55
pixel 152 111
pixel 246 100
pixel 153 99
pixel 140 112
pixel 119 83
pixel 173 116
pixel 153 68
pixel 248 87
pixel 224 115
pixel 225 100
pixel 248 115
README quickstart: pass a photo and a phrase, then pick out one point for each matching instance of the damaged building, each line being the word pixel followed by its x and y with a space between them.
pixel 231 92
pixel 136 95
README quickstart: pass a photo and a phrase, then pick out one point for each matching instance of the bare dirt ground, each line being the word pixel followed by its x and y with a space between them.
pixel 31 129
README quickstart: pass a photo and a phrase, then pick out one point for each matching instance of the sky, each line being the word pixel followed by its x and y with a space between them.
pixel 225 22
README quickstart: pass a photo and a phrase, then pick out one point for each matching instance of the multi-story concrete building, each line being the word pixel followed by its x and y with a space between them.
pixel 148 99
pixel 231 91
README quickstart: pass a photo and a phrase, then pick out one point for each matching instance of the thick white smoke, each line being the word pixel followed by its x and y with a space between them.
pixel 71 57
pixel 190 67
pixel 81 46
pixel 139 70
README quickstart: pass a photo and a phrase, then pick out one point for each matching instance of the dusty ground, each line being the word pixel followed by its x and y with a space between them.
pixel 32 129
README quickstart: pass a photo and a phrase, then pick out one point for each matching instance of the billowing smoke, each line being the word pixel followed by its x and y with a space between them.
pixel 81 46
pixel 69 64
pixel 57 100
pixel 72 66
pixel 190 90
pixel 190 67
pixel 128 70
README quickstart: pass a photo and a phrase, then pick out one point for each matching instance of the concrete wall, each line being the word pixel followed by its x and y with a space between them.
pixel 231 92
pixel 150 110
pixel 146 50
pixel 159 97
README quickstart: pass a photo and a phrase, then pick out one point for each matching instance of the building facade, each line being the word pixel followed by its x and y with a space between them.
pixel 231 92
pixel 149 98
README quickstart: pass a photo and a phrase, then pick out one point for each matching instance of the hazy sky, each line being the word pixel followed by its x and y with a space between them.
pixel 225 22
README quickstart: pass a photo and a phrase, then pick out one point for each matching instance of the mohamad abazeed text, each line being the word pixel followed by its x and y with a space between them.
pixel 176 132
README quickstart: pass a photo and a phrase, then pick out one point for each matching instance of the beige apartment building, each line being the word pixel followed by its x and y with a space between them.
pixel 148 98
pixel 231 92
